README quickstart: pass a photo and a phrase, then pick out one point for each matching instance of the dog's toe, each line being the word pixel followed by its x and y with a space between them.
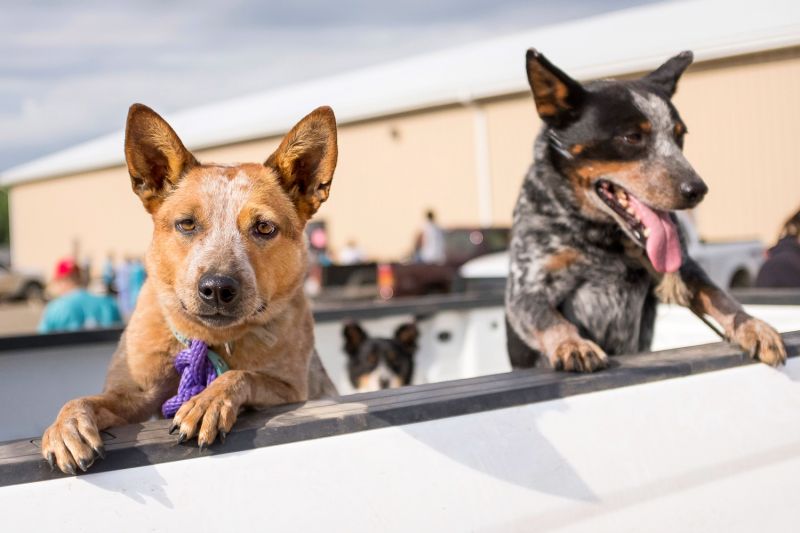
pixel 761 341
pixel 73 441
pixel 579 355
pixel 56 452
pixel 208 414
pixel 773 354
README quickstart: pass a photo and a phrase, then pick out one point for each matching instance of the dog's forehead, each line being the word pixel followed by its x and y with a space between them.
pixel 239 173
pixel 228 191
pixel 377 345
pixel 217 183
pixel 657 110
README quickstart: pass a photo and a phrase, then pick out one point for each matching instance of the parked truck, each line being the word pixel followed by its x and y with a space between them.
pixel 389 280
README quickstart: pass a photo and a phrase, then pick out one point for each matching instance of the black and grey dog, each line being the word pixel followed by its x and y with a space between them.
pixel 379 363
pixel 594 241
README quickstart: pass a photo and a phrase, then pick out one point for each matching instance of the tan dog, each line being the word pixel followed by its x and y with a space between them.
pixel 226 266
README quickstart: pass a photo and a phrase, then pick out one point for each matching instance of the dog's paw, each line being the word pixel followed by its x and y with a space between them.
pixel 761 341
pixel 73 441
pixel 578 355
pixel 212 412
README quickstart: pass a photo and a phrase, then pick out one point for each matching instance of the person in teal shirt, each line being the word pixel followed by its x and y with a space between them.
pixel 75 308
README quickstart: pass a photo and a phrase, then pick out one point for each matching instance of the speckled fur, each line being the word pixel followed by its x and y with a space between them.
pixel 605 292
pixel 579 288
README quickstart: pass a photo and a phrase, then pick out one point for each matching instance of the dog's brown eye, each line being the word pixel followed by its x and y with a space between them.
pixel 186 225
pixel 372 359
pixel 265 229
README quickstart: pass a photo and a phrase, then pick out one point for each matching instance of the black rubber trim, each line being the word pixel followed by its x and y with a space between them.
pixel 149 443
pixel 759 296
pixel 420 306
pixel 417 306
pixel 56 340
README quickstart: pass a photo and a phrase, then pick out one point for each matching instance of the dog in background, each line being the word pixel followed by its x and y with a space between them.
pixel 226 267
pixel 379 363
pixel 594 241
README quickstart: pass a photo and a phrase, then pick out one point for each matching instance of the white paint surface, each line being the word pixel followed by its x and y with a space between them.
pixel 712 452
pixel 475 342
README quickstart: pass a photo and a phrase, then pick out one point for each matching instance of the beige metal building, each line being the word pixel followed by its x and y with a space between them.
pixel 453 131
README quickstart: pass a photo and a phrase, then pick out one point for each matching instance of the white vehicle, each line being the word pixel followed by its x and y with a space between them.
pixel 730 265
pixel 16 285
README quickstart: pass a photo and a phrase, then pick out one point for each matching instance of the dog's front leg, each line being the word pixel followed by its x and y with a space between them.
pixel 73 440
pixel 757 337
pixel 543 328
pixel 133 393
pixel 214 411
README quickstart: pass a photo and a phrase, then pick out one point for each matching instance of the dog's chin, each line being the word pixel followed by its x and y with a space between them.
pixel 219 321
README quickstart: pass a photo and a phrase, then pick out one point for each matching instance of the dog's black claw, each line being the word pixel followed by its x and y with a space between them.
pixel 182 437
pixel 222 435
pixel 173 428
pixel 100 451
pixel 70 469
pixel 84 465
pixel 51 460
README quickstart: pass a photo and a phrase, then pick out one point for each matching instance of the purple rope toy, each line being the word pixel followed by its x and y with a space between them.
pixel 197 372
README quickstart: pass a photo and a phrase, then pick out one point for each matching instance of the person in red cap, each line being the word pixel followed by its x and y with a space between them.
pixel 75 308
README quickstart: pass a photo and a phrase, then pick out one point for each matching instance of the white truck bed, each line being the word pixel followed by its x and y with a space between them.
pixel 716 451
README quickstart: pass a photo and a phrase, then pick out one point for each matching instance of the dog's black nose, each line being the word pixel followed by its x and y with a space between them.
pixel 218 290
pixel 693 191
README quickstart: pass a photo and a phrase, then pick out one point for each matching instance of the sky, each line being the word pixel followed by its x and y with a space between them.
pixel 70 69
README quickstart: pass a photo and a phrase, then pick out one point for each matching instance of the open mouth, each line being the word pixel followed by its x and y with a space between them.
pixel 650 228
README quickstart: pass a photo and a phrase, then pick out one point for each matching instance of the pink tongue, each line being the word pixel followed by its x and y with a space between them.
pixel 663 245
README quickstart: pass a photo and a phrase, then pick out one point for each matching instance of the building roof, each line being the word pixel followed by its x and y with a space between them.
pixel 615 43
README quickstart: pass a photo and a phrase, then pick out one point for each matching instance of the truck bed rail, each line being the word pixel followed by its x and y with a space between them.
pixel 149 443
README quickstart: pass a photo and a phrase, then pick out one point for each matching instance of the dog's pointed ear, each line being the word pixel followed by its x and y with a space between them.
pixel 156 157
pixel 558 97
pixel 354 337
pixel 667 75
pixel 407 335
pixel 306 159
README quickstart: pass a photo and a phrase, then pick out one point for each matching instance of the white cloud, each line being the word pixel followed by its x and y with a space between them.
pixel 69 71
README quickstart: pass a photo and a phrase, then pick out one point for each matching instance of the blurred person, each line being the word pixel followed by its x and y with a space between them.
pixel 123 279
pixel 109 275
pixel 318 246
pixel 431 241
pixel 86 271
pixel 136 275
pixel 74 308
pixel 351 254
pixel 782 267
